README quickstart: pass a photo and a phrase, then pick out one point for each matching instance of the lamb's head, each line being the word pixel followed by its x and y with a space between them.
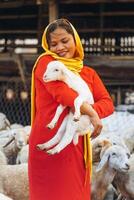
pixel 116 157
pixel 55 71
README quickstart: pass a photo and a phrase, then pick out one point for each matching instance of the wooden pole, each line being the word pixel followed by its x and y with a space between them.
pixel 53 10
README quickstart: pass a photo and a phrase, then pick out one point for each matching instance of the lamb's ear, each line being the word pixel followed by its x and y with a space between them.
pixel 62 77
pixel 103 161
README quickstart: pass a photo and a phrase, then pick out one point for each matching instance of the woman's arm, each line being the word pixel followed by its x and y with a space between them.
pixel 103 102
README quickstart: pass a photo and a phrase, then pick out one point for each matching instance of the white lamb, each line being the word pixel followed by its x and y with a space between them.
pixel 58 71
pixel 72 126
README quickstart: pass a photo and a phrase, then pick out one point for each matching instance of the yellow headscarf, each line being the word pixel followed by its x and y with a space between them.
pixel 75 65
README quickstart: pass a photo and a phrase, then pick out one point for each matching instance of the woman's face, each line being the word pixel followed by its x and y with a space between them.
pixel 62 43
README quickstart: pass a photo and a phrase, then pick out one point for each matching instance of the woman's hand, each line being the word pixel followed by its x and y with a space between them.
pixel 97 124
pixel 87 109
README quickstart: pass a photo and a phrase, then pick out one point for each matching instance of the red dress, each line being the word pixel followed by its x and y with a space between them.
pixel 60 176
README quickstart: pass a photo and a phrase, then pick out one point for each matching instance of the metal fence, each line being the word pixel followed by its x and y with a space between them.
pixel 15 101
pixel 15 98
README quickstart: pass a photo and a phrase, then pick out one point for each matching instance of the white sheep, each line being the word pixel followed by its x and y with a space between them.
pixel 22 156
pixel 14 181
pixel 113 138
pixel 15 126
pixel 113 159
pixel 13 145
pixel 120 125
pixel 57 71
pixel 3 159
pixel 4 122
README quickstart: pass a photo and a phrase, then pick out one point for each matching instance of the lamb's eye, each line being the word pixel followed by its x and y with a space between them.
pixel 56 70
pixel 113 154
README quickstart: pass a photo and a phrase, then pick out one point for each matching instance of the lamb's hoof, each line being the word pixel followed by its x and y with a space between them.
pixel 52 151
pixel 50 126
pixel 40 147
pixel 75 142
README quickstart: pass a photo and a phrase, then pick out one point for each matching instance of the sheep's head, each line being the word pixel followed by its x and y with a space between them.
pixel 98 147
pixel 55 71
pixel 116 157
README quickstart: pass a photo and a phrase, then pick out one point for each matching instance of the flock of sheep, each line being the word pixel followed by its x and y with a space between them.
pixel 13 160
pixel 113 159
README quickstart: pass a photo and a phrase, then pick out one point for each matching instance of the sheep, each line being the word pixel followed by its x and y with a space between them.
pixel 113 159
pixel 113 138
pixel 4 122
pixel 15 126
pixel 72 123
pixel 14 181
pixel 111 193
pixel 125 181
pixel 3 159
pixel 14 143
pixel 120 124
pixel 4 197
pixel 22 156
pixel 97 147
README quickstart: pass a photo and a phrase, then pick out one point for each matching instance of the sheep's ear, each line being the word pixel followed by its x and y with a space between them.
pixel 9 141
pixel 103 161
pixel 8 123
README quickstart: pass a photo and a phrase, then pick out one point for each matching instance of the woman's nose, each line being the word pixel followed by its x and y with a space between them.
pixel 60 47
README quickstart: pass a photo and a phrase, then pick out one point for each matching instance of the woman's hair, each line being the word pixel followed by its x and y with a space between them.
pixel 59 23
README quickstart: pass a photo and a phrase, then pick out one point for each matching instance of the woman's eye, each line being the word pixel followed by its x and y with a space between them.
pixel 53 45
pixel 65 41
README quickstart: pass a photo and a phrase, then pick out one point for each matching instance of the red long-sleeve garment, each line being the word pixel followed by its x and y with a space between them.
pixel 60 176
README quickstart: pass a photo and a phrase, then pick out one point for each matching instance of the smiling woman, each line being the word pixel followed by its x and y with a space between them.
pixel 62 176
pixel 62 43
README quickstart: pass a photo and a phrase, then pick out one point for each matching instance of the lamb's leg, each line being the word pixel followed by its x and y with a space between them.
pixel 53 122
pixel 67 137
pixel 56 138
pixel 77 104
pixel 76 138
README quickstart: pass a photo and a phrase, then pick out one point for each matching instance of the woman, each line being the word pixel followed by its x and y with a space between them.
pixel 62 176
